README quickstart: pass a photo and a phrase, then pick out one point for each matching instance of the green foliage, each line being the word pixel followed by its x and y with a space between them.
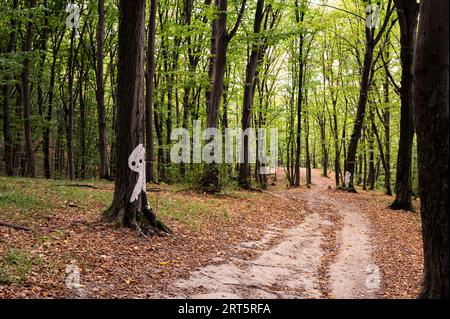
pixel 333 36
pixel 14 266
pixel 25 194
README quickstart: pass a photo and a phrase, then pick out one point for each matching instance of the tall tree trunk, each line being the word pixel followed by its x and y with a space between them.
pixel 43 40
pixel 307 155
pixel 130 112
pixel 371 177
pixel 82 127
pixel 18 151
pixel 364 181
pixel 344 134
pixel 100 93
pixel 159 136
pixel 211 176
pixel 69 108
pixel 314 162
pixel 244 173
pixel 8 140
pixel 323 143
pixel 51 94
pixel 299 14
pixel 387 136
pixel 149 89
pixel 337 156
pixel 361 109
pixel 431 108
pixel 58 158
pixel 371 41
pixel 113 86
pixel 407 16
pixel 382 155
pixel 30 170
pixel 7 133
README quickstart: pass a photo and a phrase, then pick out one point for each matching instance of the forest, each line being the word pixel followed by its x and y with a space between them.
pixel 120 175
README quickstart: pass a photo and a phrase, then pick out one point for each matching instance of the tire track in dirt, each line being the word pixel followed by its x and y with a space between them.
pixel 325 256
pixel 352 272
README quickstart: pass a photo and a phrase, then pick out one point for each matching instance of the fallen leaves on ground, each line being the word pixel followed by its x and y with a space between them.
pixel 397 239
pixel 118 263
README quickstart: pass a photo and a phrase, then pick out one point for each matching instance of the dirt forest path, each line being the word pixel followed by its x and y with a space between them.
pixel 328 255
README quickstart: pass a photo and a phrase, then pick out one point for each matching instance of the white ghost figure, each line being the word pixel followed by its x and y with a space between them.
pixel 136 162
pixel 347 176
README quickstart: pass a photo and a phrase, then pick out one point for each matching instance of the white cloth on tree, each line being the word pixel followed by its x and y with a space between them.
pixel 136 162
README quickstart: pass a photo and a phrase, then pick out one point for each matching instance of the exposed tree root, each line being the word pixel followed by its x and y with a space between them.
pixel 398 205
pixel 15 226
pixel 151 217
pixel 143 220
pixel 81 185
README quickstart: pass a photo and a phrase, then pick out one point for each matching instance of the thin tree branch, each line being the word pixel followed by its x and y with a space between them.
pixel 238 21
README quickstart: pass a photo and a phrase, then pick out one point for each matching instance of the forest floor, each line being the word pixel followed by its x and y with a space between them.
pixel 279 243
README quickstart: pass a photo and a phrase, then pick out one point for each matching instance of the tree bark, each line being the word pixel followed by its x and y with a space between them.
pixel 113 86
pixel 431 108
pixel 407 12
pixel 382 155
pixel 30 170
pixel 371 177
pixel 8 140
pixel 361 109
pixel 299 14
pixel 69 108
pixel 100 93
pixel 149 89
pixel 130 112
pixel 244 172
pixel 371 41
pixel 48 118
pixel 387 138
pixel 211 175
pixel 307 155
pixel 82 128
pixel 18 149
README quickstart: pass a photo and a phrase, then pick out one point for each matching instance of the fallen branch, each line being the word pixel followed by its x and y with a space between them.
pixel 80 185
pixel 15 226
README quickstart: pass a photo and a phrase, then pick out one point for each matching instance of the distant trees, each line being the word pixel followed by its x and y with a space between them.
pixel 312 71
pixel 301 44
pixel 188 57
pixel 431 108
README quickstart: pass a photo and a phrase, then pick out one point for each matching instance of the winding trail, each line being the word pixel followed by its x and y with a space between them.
pixel 327 256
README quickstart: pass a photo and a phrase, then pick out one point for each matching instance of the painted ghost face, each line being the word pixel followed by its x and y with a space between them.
pixel 136 162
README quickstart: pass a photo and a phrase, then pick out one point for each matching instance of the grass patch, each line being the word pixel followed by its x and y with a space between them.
pixel 14 266
pixel 20 200
pixel 193 213
pixel 42 194
pixel 23 198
